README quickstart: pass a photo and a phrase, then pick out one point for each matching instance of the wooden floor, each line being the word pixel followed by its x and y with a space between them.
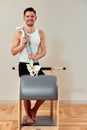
pixel 72 116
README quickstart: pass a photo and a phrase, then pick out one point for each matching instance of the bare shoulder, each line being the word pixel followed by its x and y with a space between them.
pixel 42 34
pixel 18 33
pixel 17 37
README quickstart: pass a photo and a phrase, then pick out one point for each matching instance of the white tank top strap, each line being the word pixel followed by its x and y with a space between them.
pixel 20 28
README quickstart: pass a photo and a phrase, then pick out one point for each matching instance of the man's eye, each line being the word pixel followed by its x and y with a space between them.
pixel 32 16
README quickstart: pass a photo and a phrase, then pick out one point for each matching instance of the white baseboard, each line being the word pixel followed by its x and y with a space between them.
pixel 74 101
pixel 8 101
pixel 61 101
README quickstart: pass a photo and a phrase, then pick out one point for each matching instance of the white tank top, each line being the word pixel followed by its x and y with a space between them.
pixel 34 41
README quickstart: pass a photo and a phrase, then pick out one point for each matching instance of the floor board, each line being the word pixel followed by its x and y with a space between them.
pixel 72 116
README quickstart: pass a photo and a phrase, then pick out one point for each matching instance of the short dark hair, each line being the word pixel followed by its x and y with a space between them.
pixel 29 9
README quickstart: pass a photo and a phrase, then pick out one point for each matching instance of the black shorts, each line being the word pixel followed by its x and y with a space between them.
pixel 24 71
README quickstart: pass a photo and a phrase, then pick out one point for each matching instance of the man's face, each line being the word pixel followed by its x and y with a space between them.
pixel 30 18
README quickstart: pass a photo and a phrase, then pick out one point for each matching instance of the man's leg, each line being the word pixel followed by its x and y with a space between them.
pixel 34 110
pixel 27 106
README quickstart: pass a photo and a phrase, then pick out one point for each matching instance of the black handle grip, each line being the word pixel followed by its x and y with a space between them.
pixel 64 68
pixel 13 68
pixel 46 68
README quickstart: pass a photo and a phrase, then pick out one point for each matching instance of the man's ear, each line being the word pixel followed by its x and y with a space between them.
pixel 36 18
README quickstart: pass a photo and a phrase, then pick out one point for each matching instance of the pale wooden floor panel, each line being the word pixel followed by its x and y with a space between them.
pixel 72 117
pixel 73 114
pixel 73 128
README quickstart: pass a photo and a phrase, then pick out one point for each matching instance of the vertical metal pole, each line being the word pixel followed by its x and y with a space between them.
pixel 51 102
pixel 19 109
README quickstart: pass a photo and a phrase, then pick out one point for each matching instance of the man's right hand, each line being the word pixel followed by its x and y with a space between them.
pixel 25 40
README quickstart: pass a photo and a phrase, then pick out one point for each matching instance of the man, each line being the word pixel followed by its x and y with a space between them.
pixel 38 46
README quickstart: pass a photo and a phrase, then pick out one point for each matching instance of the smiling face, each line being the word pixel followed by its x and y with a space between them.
pixel 30 18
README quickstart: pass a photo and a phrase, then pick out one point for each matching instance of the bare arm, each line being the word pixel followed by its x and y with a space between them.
pixel 16 46
pixel 42 46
